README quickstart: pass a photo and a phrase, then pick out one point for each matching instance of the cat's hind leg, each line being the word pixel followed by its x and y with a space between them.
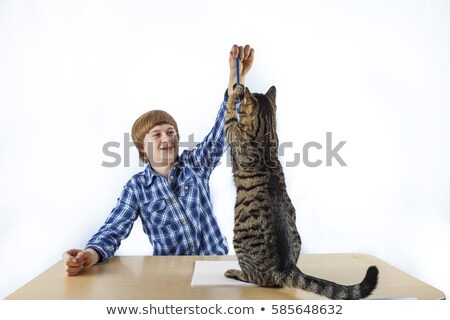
pixel 236 274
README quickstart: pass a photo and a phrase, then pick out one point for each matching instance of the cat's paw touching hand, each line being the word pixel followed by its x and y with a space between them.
pixel 238 90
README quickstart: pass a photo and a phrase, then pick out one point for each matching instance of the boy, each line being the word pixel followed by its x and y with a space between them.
pixel 171 195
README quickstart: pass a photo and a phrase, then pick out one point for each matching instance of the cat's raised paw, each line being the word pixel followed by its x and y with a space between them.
pixel 238 90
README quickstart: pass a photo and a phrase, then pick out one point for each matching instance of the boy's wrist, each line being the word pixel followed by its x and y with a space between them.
pixel 232 82
pixel 96 254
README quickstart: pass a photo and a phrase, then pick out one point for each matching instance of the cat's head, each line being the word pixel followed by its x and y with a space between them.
pixel 257 115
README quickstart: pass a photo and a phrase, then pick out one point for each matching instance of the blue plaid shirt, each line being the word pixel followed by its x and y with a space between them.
pixel 176 213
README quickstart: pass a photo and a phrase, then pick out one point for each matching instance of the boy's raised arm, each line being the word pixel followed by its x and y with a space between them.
pixel 206 155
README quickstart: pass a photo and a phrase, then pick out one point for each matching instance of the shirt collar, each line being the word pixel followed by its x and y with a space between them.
pixel 149 174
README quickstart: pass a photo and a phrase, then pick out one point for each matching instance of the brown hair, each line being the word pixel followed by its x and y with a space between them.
pixel 147 122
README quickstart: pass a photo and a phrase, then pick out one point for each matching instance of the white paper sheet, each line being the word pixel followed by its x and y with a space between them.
pixel 211 273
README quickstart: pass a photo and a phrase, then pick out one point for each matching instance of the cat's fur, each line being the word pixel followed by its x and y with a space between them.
pixel 266 240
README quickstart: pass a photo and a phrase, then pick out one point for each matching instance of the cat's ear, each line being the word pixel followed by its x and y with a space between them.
pixel 247 94
pixel 271 93
pixel 248 104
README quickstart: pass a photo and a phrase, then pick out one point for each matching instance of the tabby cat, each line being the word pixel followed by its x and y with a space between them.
pixel 266 240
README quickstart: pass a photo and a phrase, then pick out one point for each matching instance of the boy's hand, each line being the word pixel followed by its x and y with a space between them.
pixel 77 260
pixel 246 55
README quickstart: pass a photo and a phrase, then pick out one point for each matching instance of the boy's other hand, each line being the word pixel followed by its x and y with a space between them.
pixel 76 260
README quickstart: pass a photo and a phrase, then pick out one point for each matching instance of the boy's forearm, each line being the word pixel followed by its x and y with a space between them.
pixel 232 81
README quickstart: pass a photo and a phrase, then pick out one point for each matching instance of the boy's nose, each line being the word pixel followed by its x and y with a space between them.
pixel 166 137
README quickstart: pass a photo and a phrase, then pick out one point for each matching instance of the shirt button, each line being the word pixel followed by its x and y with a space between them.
pixel 186 187
pixel 184 222
pixel 174 200
pixel 171 177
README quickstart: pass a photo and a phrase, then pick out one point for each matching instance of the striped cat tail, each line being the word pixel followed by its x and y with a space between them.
pixel 332 290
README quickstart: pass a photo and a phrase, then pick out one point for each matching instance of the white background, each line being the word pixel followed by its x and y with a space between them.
pixel 75 75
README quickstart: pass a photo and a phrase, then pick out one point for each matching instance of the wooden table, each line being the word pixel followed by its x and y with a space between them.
pixel 169 278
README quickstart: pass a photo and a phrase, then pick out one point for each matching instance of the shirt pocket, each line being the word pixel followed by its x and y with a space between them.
pixel 158 212
pixel 162 227
pixel 186 190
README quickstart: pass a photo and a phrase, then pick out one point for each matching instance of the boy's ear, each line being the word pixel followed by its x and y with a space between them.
pixel 139 146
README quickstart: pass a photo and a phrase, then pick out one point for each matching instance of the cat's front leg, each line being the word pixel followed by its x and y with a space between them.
pixel 231 118
pixel 231 115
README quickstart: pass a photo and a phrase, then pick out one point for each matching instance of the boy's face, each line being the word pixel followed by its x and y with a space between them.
pixel 161 145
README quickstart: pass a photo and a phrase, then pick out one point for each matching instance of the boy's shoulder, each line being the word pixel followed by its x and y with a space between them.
pixel 138 179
